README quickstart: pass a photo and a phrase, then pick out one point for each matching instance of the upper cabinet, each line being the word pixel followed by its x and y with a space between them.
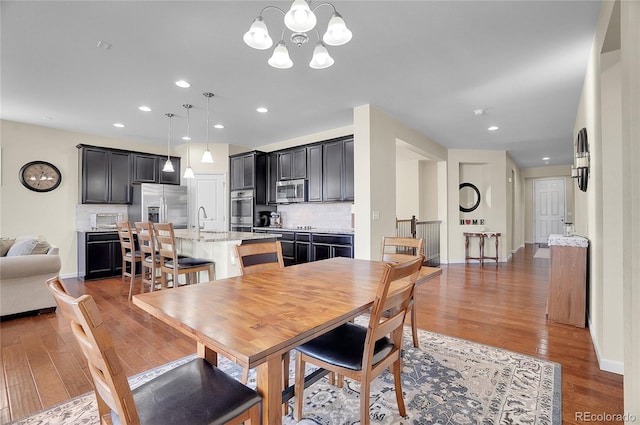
pixel 147 168
pixel 106 176
pixel 327 166
pixel 337 170
pixel 292 164
pixel 249 171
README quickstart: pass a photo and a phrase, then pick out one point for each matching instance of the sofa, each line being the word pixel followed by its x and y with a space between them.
pixel 26 262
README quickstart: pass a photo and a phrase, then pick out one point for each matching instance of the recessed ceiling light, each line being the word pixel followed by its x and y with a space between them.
pixel 184 84
pixel 218 126
pixel 47 118
pixel 478 112
pixel 546 158
pixel 262 110
pixel 103 45
pixel 118 124
pixel 144 108
pixel 187 138
pixel 493 128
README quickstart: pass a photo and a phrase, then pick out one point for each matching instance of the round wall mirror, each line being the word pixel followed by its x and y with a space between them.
pixel 469 197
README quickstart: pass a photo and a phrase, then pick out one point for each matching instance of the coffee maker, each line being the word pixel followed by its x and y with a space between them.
pixel 276 220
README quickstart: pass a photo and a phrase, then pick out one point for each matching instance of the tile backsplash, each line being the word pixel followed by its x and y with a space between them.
pixel 325 216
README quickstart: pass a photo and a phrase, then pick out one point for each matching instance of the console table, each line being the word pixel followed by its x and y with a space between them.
pixel 567 298
pixel 481 240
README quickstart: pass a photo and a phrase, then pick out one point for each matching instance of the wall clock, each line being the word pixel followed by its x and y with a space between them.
pixel 40 176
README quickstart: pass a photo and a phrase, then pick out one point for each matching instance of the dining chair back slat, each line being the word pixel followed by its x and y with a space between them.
pixel 129 254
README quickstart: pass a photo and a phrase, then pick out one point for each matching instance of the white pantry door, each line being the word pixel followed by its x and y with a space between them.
pixel 549 208
pixel 208 191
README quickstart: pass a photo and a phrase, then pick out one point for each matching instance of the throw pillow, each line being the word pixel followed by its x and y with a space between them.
pixel 42 246
pixel 5 244
pixel 22 246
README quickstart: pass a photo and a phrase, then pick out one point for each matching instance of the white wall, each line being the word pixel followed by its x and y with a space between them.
pixel 408 191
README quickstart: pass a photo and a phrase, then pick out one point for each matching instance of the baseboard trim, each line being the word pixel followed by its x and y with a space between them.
pixel 613 366
pixel 68 275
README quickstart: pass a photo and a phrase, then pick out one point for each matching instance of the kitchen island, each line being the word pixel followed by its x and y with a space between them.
pixel 217 247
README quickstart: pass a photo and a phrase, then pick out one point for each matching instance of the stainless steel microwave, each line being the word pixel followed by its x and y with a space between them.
pixel 290 191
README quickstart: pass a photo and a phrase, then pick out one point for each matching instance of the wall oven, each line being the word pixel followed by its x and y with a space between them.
pixel 241 210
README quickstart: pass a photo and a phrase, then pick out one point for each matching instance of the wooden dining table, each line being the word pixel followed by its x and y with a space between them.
pixel 254 319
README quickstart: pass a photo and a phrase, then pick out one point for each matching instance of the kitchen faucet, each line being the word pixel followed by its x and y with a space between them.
pixel 205 216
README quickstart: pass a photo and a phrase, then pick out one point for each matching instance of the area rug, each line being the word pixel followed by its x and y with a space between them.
pixel 445 381
pixel 542 253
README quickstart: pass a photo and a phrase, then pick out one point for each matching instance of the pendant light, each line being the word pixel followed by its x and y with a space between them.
pixel 188 172
pixel 168 166
pixel 206 156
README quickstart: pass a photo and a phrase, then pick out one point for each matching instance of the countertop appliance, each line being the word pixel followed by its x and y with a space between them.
pixel 100 221
pixel 159 203
pixel 276 220
pixel 290 191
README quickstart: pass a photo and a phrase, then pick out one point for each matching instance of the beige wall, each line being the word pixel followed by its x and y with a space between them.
pixel 489 168
pixel 407 188
pixel 375 136
pixel 53 214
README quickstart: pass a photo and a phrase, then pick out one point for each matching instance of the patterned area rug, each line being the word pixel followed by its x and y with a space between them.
pixel 446 381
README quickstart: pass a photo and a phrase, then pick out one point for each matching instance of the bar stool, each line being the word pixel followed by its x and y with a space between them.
pixel 173 264
pixel 150 258
pixel 129 254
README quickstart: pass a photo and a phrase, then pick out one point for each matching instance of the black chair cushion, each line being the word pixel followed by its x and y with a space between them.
pixel 344 347
pixel 187 262
pixel 195 393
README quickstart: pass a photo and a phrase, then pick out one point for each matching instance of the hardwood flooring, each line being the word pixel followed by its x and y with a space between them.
pixel 503 307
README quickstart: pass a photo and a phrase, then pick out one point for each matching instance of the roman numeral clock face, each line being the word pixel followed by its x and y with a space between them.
pixel 40 176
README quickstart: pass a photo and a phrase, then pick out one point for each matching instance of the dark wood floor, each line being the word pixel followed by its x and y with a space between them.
pixel 503 307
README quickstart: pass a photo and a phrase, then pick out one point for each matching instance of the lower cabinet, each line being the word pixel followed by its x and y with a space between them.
pixel 99 255
pixel 329 246
pixel 303 247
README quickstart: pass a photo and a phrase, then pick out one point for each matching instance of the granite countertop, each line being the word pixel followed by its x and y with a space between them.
pixel 561 240
pixel 211 236
pixel 311 230
pixel 96 230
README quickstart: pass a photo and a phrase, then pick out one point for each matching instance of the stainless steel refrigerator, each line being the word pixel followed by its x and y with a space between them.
pixel 159 203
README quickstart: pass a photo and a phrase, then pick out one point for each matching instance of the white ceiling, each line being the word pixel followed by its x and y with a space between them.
pixel 427 63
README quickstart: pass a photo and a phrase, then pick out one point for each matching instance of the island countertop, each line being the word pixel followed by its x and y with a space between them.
pixel 221 236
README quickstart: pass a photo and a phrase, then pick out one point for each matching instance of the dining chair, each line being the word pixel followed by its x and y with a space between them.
pixel 150 259
pixel 364 352
pixel 130 255
pixel 256 258
pixel 175 265
pixel 193 393
pixel 397 250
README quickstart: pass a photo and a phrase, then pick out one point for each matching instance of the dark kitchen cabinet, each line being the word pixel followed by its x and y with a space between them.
pixel 249 171
pixel 314 173
pixel 331 245
pixel 145 168
pixel 337 170
pixel 105 177
pixel 303 248
pixel 288 242
pixel 272 177
pixel 292 164
pixel 169 177
pixel 99 255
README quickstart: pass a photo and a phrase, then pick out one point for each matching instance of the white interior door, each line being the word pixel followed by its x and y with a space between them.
pixel 208 191
pixel 549 208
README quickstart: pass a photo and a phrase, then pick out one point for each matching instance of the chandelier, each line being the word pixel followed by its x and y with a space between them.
pixel 300 20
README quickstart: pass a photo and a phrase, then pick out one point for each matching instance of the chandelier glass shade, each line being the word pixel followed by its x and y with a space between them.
pixel 299 20
pixel 168 166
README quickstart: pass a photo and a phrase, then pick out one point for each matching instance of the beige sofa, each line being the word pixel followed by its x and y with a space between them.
pixel 22 277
